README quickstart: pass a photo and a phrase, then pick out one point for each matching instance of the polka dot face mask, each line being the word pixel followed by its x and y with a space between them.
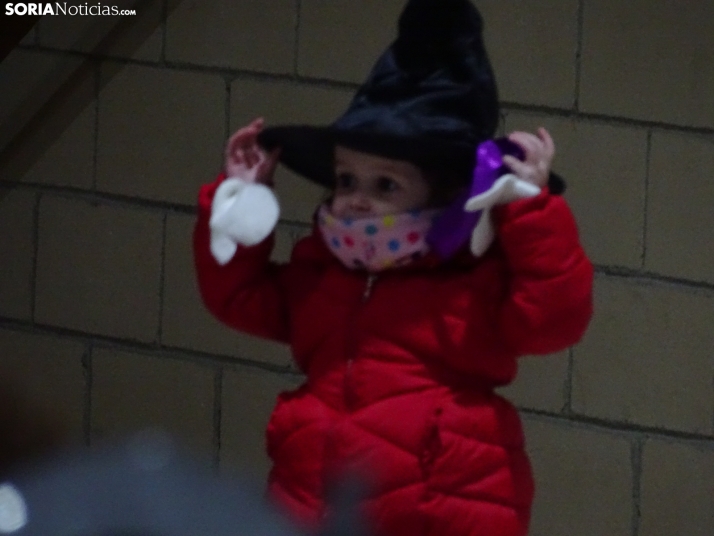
pixel 378 242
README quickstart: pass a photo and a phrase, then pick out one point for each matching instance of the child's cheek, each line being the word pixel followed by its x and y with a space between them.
pixel 337 206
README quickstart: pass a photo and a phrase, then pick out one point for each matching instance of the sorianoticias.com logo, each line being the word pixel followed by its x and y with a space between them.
pixel 62 8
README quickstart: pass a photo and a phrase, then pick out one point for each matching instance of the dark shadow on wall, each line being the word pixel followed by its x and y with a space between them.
pixel 12 30
pixel 50 106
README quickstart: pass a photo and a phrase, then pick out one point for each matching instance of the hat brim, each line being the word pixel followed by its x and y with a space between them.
pixel 309 150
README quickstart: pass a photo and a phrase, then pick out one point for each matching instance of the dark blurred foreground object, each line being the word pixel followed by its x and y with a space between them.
pixel 343 498
pixel 27 430
pixel 145 487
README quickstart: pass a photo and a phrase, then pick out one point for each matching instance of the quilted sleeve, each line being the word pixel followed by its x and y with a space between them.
pixel 549 299
pixel 246 293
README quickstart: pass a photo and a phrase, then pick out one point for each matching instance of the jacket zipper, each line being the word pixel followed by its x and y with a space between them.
pixel 371 278
pixel 351 342
pixel 350 352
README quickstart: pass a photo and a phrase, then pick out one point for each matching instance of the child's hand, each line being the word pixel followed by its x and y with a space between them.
pixel 539 151
pixel 243 151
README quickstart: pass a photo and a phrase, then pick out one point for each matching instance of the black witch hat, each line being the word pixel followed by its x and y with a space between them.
pixel 430 99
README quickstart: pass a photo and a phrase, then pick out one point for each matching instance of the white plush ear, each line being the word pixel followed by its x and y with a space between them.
pixel 222 248
pixel 506 189
pixel 483 234
pixel 242 213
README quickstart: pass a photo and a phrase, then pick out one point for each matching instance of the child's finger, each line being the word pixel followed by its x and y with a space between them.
pixel 236 143
pixel 234 153
pixel 256 128
pixel 251 137
pixel 268 166
pixel 548 143
pixel 248 134
pixel 242 147
pixel 253 156
pixel 253 130
pixel 523 170
pixel 526 141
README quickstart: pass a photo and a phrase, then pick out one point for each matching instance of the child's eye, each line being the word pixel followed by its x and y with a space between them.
pixel 386 185
pixel 344 180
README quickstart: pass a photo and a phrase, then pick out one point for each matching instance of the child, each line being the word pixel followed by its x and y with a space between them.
pixel 403 339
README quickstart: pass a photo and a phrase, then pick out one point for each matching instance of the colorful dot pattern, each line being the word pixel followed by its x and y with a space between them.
pixel 377 243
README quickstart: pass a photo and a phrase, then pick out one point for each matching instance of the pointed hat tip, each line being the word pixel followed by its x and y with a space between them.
pixel 429 17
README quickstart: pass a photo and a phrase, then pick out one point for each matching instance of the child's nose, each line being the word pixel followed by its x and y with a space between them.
pixel 360 202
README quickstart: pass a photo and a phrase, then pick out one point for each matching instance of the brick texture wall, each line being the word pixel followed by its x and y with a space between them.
pixel 109 125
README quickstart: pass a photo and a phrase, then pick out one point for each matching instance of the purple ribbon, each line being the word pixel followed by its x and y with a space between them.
pixel 452 229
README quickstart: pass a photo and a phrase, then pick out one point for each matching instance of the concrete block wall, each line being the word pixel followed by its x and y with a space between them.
pixel 109 125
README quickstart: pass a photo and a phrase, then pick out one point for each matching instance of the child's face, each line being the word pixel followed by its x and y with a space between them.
pixel 368 185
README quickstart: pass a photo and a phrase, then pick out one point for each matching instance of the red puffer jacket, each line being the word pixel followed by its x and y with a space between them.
pixel 401 366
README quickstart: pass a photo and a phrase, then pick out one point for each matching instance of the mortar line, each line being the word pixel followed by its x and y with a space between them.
pixel 618 426
pixel 95 137
pixel 162 352
pixel 636 461
pixel 579 52
pixel 650 277
pixel 87 358
pixel 164 29
pixel 613 120
pixel 227 118
pixel 197 68
pixel 119 200
pixel 162 280
pixel 648 156
pixel 568 402
pixel 298 21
